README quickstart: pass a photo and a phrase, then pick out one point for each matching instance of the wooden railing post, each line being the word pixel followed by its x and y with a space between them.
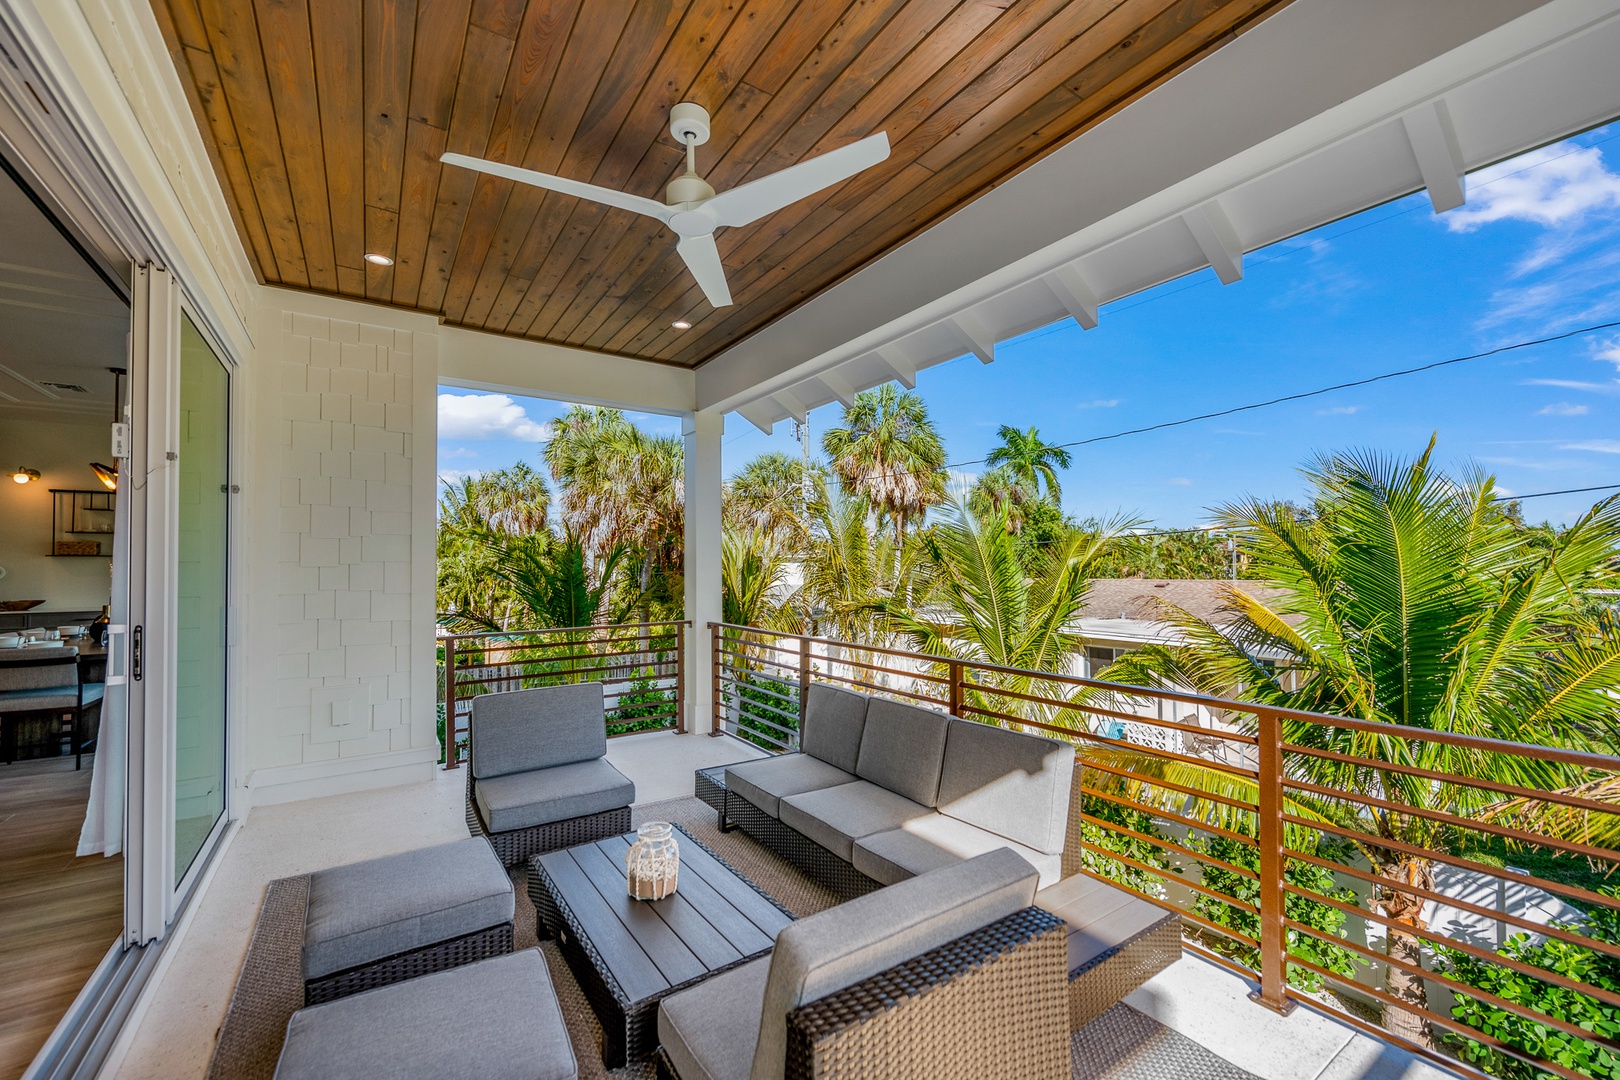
pixel 1273 992
pixel 804 680
pixel 717 725
pixel 450 702
pixel 680 678
pixel 956 687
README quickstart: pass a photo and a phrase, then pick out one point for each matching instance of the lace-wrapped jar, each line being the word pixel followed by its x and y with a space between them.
pixel 653 863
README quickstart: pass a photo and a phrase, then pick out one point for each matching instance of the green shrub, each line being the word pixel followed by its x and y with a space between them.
pixel 1123 874
pixel 1584 1057
pixel 765 706
pixel 645 706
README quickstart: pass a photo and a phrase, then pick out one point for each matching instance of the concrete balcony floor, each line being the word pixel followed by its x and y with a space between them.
pixel 174 1036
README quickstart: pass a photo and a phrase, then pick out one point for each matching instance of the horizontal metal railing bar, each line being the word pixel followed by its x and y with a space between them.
pixel 729 646
pixel 1161 812
pixel 1189 916
pixel 647 657
pixel 1506 832
pixel 596 628
pixel 1476 951
pixel 1181 789
pixel 834 642
pixel 672 726
pixel 735 699
pixel 738 731
pixel 1561 798
pixel 1135 718
pixel 1450 860
pixel 1170 875
pixel 1118 744
pixel 740 682
pixel 876 689
pixel 1243 971
pixel 641 645
pixel 1392 1001
pixel 1580 758
pixel 1428 1053
pixel 850 662
pixel 1197 856
pixel 518 676
pixel 762 720
pixel 1495 914
pixel 614 722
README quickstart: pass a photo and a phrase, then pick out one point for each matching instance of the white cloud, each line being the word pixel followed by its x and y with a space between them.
pixel 1609 352
pixel 487 416
pixel 1562 408
pixel 1575 384
pixel 1597 446
pixel 453 477
pixel 1551 186
pixel 1505 491
pixel 1339 410
pixel 1179 481
pixel 1100 403
pixel 457 452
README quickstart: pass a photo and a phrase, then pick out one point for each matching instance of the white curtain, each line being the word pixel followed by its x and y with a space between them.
pixel 103 829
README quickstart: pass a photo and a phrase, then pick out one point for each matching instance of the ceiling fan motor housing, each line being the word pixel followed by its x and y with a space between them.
pixel 689 122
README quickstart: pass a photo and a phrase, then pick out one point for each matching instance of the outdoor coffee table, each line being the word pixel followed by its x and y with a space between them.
pixel 628 954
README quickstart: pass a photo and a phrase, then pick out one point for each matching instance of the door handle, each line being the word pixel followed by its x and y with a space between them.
pixel 116 674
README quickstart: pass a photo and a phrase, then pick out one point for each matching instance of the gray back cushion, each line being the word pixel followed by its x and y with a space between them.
pixel 525 730
pixel 903 749
pixel 832 725
pixel 841 946
pixel 1009 783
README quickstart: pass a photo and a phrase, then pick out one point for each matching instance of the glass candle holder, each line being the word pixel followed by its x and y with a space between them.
pixel 653 863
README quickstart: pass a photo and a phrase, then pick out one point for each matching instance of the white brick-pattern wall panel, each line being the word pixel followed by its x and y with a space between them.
pixel 347 509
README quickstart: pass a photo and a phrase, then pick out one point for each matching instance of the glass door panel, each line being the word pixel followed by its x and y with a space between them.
pixel 204 469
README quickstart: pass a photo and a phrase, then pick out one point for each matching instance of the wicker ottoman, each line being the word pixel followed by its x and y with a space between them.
pixel 1117 942
pixel 377 922
pixel 497 1019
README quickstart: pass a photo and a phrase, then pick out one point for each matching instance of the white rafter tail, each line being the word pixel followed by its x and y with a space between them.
pixel 768 194
pixel 1075 294
pixel 839 387
pixel 789 402
pixel 636 204
pixel 1217 240
pixel 975 335
pixel 759 414
pixel 702 258
pixel 1434 143
pixel 901 365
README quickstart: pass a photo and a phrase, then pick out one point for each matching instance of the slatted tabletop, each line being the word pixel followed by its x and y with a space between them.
pixel 628 954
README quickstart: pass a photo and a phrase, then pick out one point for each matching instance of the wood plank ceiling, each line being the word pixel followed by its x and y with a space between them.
pixel 326 119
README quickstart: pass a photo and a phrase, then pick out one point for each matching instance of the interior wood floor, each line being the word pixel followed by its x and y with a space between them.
pixel 58 913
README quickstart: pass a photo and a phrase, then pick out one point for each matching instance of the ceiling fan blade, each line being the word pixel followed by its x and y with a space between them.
pixel 636 204
pixel 768 194
pixel 703 259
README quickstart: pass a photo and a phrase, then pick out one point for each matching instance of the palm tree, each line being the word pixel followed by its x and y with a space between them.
pixel 770 494
pixel 888 451
pixel 1412 600
pixel 1001 492
pixel 513 501
pixel 1031 461
pixel 552 583
pixel 982 607
pixel 753 581
pixel 844 567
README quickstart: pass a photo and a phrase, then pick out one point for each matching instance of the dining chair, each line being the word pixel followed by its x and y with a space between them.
pixel 45 682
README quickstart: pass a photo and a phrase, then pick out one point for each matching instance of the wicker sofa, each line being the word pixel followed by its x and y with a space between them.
pixel 950 974
pixel 884 791
pixel 538 778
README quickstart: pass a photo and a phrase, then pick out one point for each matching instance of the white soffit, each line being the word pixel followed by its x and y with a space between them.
pixel 1321 111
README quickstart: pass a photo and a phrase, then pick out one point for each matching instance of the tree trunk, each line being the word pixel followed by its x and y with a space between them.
pixel 1406 910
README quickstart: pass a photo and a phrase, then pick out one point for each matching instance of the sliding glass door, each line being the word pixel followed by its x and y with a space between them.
pixel 203 580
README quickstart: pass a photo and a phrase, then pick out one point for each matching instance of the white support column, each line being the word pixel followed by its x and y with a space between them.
pixel 701 433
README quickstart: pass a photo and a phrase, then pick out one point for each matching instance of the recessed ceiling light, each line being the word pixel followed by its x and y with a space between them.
pixel 681 324
pixel 378 260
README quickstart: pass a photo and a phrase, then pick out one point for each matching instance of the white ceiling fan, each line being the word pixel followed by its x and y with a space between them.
pixel 691 208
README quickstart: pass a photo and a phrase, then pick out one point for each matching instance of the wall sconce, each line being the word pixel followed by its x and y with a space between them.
pixel 23 476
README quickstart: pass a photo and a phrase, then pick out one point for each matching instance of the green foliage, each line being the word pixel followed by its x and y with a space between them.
pixel 645 706
pixel 765 706
pixel 1182 554
pixel 1584 1057
pixel 1044 528
pixel 1120 873
pixel 1246 920
pixel 888 452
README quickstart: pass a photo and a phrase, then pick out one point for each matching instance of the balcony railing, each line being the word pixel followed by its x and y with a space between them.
pixel 1217 809
pixel 639 665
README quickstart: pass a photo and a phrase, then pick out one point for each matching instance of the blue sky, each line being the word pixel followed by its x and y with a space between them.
pixel 1535 252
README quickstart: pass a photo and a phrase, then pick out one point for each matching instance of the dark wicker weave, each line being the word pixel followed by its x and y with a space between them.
pixel 479 945
pixel 517 846
pixel 798 849
pixel 1102 982
pixel 710 786
pixel 990 1003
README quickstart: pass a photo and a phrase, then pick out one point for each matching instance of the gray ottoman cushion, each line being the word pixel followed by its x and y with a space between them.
pixel 837 817
pixel 535 729
pixel 1013 784
pixel 833 721
pixel 841 946
pixel 931 842
pixel 1101 918
pixel 709 1031
pixel 497 1019
pixel 902 749
pixel 520 800
pixel 370 910
pixel 768 780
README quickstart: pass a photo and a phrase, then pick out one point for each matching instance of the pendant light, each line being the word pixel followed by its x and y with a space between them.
pixel 108 474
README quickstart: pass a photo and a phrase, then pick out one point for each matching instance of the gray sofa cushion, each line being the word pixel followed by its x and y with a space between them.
pixel 838 816
pixel 519 800
pixel 522 730
pixel 768 780
pixel 841 946
pixel 1014 784
pixel 497 1019
pixel 902 749
pixel 369 910
pixel 931 842
pixel 833 721
pixel 709 1031
pixel 1101 917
